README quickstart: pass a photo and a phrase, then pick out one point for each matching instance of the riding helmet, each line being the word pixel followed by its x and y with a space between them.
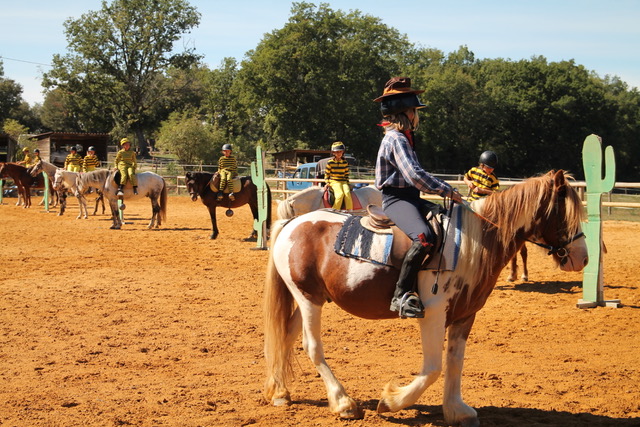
pixel 398 97
pixel 337 146
pixel 124 140
pixel 226 147
pixel 36 151
pixel 92 148
pixel 489 158
pixel 25 149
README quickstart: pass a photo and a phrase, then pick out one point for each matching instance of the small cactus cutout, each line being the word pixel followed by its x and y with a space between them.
pixel 592 161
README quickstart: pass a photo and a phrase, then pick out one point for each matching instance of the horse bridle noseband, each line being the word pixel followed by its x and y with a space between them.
pixel 560 250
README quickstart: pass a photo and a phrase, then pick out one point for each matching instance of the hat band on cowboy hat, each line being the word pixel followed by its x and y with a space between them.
pixel 397 86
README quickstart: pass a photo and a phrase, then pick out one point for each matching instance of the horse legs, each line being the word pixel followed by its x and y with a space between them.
pixel 82 206
pixel 432 329
pixel 214 225
pixel 98 200
pixel 514 266
pixel 339 402
pixel 456 412
pixel 155 212
pixel 525 271
pixel 63 202
pixel 115 214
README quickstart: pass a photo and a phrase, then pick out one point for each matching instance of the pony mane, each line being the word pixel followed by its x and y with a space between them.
pixel 516 210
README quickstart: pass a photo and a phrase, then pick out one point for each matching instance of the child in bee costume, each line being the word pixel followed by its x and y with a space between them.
pixel 90 161
pixel 73 162
pixel 480 179
pixel 126 163
pixel 336 175
pixel 228 169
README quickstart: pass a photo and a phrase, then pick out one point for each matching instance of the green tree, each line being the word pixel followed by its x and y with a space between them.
pixel 313 81
pixel 10 95
pixel 185 135
pixel 117 56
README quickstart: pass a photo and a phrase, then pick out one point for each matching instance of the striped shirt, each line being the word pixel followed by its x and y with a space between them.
pixel 481 179
pixel 228 163
pixel 397 166
pixel 90 162
pixel 337 170
pixel 126 158
pixel 73 159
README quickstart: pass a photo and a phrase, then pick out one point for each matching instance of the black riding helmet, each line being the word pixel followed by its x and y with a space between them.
pixel 489 158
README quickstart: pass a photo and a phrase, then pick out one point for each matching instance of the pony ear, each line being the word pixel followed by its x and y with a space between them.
pixel 559 179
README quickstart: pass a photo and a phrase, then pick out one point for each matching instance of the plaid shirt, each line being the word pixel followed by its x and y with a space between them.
pixel 397 166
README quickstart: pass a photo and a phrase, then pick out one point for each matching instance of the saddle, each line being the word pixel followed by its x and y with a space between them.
pixel 235 187
pixel 328 198
pixel 376 222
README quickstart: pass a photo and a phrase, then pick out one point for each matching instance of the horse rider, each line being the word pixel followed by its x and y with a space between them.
pixel 401 179
pixel 126 163
pixel 73 162
pixel 36 156
pixel 480 179
pixel 228 169
pixel 90 161
pixel 336 175
pixel 27 160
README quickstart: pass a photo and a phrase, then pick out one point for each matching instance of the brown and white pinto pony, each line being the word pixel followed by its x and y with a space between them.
pixel 304 273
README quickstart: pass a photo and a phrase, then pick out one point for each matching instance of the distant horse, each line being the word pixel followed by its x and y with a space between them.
pixel 304 272
pixel 150 185
pixel 24 181
pixel 65 182
pixel 311 199
pixel 96 180
pixel 198 185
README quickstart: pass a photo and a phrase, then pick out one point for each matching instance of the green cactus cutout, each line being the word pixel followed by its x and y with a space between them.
pixel 257 176
pixel 592 282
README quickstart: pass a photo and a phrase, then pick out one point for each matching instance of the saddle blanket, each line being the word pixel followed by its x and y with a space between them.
pixel 355 241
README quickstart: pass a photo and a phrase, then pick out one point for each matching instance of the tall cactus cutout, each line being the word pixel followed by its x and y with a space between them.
pixel 592 282
pixel 257 176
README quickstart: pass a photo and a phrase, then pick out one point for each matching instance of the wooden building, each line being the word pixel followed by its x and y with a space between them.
pixel 55 146
pixel 8 148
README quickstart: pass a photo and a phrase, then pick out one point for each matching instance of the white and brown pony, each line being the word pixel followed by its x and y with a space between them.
pixel 150 185
pixel 304 272
pixel 311 199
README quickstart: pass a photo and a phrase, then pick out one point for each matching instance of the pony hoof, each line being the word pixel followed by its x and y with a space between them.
pixel 382 407
pixel 281 401
pixel 510 279
pixel 469 422
pixel 123 207
pixel 525 278
pixel 352 414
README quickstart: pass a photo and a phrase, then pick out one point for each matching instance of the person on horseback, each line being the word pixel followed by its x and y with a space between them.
pixel 126 163
pixel 73 162
pixel 336 175
pixel 400 177
pixel 228 169
pixel 480 179
pixel 90 161
pixel 27 160
pixel 36 156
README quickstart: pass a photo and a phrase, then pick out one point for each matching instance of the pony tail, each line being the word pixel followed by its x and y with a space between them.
pixel 278 312
pixel 163 202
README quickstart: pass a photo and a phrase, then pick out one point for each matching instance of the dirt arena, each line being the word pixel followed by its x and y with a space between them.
pixel 164 327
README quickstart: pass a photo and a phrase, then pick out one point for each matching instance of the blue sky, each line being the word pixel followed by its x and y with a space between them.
pixel 602 36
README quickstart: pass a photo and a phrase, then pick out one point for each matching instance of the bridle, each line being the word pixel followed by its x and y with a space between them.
pixel 561 249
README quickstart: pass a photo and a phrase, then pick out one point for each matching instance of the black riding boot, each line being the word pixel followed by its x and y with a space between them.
pixel 405 299
pixel 120 192
pixel 135 189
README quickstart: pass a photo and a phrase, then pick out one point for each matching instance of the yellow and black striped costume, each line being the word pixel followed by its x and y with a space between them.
pixel 228 169
pixel 90 163
pixel 126 163
pixel 337 170
pixel 73 162
pixel 482 179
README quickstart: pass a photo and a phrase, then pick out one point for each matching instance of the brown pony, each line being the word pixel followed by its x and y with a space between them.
pixel 304 272
pixel 198 185
pixel 24 181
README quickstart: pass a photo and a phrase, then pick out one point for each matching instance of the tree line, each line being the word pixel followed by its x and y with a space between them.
pixel 312 82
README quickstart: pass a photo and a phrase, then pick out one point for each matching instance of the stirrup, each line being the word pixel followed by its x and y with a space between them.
pixel 119 193
pixel 232 197
pixel 219 196
pixel 408 306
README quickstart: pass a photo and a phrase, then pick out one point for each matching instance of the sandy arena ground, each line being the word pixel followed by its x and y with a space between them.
pixel 164 327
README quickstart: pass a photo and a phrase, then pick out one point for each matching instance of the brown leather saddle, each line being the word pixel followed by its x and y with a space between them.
pixel 378 222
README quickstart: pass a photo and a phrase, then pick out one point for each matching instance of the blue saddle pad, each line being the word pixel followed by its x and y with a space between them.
pixel 355 241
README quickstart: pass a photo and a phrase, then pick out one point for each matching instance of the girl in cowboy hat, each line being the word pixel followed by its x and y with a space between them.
pixel 126 163
pixel 401 179
pixel 336 175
